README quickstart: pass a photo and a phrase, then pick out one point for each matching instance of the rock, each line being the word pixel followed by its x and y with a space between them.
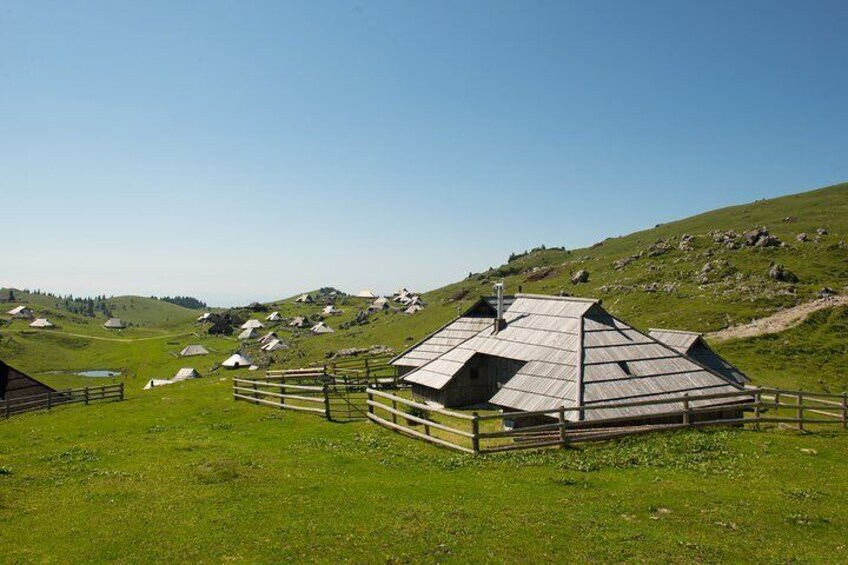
pixel 801 236
pixel 821 231
pixel 652 287
pixel 780 273
pixel 826 293
pixel 768 241
pixel 580 276
pixel 789 219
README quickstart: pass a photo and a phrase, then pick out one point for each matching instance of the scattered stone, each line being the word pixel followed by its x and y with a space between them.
pixel 801 236
pixel 826 293
pixel 580 276
pixel 821 231
pixel 686 242
pixel 651 287
pixel 780 273
pixel 789 219
pixel 621 263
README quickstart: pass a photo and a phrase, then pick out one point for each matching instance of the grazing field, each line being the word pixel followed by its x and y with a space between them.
pixel 183 473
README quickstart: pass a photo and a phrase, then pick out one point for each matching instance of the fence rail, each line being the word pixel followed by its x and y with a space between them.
pixel 333 401
pixel 51 399
pixel 375 371
pixel 336 398
pixel 488 433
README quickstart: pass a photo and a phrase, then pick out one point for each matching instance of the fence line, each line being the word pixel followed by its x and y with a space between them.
pixel 49 400
pixel 333 401
pixel 474 433
pixel 489 433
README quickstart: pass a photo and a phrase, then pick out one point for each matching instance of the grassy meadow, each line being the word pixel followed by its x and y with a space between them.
pixel 184 474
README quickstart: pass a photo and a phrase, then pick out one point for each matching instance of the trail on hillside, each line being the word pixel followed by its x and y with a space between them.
pixel 779 321
pixel 120 340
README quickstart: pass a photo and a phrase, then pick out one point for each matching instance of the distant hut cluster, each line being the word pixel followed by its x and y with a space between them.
pixel 28 314
pixel 531 353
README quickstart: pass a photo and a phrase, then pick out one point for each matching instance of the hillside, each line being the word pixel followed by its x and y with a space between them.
pixel 651 278
pixel 692 274
pixel 191 475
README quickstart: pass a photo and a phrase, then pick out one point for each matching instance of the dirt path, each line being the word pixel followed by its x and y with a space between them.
pixel 120 340
pixel 779 321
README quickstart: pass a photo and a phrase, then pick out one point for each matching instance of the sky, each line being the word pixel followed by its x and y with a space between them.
pixel 244 150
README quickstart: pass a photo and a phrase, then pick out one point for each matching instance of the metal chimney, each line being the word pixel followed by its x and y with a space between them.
pixel 499 290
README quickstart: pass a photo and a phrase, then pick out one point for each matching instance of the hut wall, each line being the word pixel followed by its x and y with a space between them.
pixel 479 380
pixel 423 393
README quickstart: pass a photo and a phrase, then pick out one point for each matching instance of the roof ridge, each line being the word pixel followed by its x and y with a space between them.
pixel 675 331
pixel 560 298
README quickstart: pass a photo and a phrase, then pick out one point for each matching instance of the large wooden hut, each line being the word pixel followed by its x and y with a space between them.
pixel 543 352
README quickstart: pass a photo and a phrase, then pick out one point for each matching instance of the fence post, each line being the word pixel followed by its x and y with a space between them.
pixel 122 391
pixel 255 391
pixel 7 408
pixel 85 396
pixel 370 400
pixel 427 426
pixel 563 436
pixel 686 419
pixel 326 390
pixel 758 398
pixel 394 407
pixel 845 410
pixel 49 399
pixel 282 393
pixel 475 432
pixel 800 410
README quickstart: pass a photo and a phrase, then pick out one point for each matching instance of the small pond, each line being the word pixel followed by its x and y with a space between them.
pixel 99 374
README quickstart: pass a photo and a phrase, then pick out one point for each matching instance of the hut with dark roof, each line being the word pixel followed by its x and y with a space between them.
pixel 15 385
pixel 546 352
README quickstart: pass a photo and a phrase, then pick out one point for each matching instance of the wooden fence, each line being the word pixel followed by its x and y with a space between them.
pixel 49 400
pixel 375 371
pixel 333 401
pixel 486 433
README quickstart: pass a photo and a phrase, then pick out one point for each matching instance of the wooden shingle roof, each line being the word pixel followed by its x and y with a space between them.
pixel 478 317
pixel 694 346
pixel 574 353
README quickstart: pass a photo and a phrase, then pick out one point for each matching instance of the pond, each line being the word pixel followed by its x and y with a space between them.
pixel 100 374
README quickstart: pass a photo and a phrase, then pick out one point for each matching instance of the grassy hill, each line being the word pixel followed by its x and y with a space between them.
pixel 651 278
pixel 655 279
pixel 183 473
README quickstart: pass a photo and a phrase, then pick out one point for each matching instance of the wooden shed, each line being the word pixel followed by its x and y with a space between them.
pixel 15 384
pixel 550 352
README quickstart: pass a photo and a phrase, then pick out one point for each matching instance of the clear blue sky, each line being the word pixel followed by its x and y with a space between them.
pixel 249 150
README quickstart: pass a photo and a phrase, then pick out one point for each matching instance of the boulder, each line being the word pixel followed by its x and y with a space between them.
pixel 580 276
pixel 821 231
pixel 801 236
pixel 780 273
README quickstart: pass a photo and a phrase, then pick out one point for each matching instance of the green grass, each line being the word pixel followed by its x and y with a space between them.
pixel 185 474
pixel 812 356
